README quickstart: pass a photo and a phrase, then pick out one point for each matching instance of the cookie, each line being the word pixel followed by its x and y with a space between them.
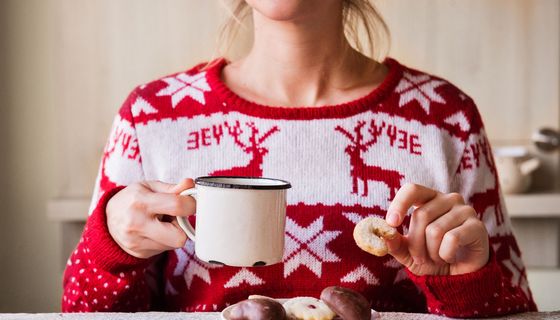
pixel 257 296
pixel 308 308
pixel 346 303
pixel 369 234
pixel 257 309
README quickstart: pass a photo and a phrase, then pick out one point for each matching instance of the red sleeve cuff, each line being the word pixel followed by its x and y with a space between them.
pixel 104 251
pixel 465 295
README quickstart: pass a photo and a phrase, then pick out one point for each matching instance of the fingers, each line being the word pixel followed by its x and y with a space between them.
pixel 183 185
pixel 444 236
pixel 421 218
pixel 407 196
pixel 162 187
pixel 167 234
pixel 165 200
pixel 139 217
pixel 158 186
pixel 471 233
pixel 436 230
pixel 398 248
pixel 143 248
pixel 170 204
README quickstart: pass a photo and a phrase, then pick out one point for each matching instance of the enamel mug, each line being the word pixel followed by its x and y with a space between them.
pixel 240 221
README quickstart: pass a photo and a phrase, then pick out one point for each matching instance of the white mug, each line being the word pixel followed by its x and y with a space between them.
pixel 240 221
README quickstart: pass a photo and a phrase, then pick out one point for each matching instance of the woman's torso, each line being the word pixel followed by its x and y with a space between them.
pixel 344 162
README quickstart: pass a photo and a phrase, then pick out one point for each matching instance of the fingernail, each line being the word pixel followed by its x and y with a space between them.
pixel 393 219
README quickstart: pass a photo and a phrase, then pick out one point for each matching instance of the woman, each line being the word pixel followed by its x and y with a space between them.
pixel 356 137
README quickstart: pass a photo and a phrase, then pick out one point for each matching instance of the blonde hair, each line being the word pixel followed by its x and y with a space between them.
pixel 364 27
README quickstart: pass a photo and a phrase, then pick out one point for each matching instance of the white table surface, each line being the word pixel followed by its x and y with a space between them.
pixel 214 316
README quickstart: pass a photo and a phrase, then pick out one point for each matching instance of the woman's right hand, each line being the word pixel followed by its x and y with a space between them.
pixel 141 217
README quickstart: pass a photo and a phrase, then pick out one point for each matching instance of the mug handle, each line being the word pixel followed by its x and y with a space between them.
pixel 184 222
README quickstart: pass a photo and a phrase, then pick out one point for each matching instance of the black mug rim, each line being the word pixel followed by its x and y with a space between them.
pixel 203 181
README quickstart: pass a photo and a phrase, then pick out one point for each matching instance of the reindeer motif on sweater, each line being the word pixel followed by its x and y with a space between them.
pixel 363 171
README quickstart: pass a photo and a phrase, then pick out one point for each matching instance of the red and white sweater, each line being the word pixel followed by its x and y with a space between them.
pixel 413 128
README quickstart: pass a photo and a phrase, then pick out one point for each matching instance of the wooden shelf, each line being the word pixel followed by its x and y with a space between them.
pixel 537 205
pixel 524 206
pixel 68 209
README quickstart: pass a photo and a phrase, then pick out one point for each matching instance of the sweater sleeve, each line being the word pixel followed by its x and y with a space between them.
pixel 99 275
pixel 501 286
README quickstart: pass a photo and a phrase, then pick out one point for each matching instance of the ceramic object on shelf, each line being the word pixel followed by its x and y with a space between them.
pixel 546 139
pixel 515 166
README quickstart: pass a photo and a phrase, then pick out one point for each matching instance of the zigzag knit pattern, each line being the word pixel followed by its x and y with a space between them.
pixel 345 162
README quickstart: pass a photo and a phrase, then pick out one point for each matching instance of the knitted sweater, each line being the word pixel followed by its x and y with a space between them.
pixel 345 162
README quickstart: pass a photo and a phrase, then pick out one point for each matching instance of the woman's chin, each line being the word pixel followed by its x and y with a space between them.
pixel 285 10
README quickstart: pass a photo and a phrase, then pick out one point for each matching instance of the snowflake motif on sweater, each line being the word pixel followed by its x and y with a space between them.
pixel 184 85
pixel 420 88
pixel 307 247
pixel 189 266
pixel 345 162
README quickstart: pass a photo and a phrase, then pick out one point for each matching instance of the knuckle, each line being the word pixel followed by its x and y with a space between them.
pixel 137 201
pixel 478 223
pixel 456 197
pixel 446 255
pixel 176 205
pixel 423 215
pixel 452 238
pixel 469 212
pixel 434 231
pixel 412 187
pixel 129 226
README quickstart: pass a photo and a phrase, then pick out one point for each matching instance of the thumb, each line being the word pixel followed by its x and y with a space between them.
pixel 183 185
pixel 398 248
pixel 162 187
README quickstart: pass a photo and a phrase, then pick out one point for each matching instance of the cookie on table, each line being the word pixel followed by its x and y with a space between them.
pixel 308 308
pixel 257 309
pixel 346 303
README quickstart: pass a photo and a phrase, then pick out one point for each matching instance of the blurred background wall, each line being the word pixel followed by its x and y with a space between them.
pixel 3 133
pixel 67 65
pixel 28 269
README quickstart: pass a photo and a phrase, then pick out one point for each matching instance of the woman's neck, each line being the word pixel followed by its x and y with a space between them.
pixel 301 63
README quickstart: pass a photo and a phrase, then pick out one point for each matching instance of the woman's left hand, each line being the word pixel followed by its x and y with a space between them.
pixel 445 237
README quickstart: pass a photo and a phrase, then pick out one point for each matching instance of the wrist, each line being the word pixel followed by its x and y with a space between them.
pixel 104 250
pixel 462 294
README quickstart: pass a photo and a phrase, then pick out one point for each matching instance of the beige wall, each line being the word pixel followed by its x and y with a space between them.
pixel 29 275
pixel 68 66
pixel 3 146
pixel 100 57
pixel 503 53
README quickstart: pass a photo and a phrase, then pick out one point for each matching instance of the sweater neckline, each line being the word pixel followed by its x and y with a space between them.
pixel 231 101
